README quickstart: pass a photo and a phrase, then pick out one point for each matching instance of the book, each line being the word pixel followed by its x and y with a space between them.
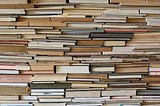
pixel 101 68
pixel 13 90
pixel 46 104
pixel 14 2
pixel 49 85
pixel 119 93
pixel 82 94
pixel 89 1
pixel 72 69
pixel 15 78
pixel 49 77
pixel 48 2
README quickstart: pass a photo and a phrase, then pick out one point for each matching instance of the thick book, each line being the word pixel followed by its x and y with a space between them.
pixel 50 85
pixel 72 69
pixel 111 35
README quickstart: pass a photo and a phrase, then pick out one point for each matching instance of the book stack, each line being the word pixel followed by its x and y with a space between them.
pixel 80 53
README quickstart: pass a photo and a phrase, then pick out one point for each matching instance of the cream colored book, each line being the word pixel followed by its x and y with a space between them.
pixel 45 2
pixel 103 69
pixel 88 1
pixel 46 77
pixel 119 93
pixel 89 85
pixel 49 104
pixel 82 94
pixel 14 2
pixel 53 58
pixel 12 11
pixel 114 43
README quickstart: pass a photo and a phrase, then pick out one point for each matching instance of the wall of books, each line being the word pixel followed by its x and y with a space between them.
pixel 79 52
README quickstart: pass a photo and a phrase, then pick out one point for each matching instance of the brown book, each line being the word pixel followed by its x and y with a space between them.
pixel 14 90
pixel 90 42
pixel 33 36
pixel 16 6
pixel 47 23
pixel 15 78
pixel 132 70
pixel 71 19
pixel 90 49
pixel 41 66
pixel 13 48
pixel 57 63
pixel 151 79
pixel 32 72
pixel 87 76
pixel 49 97
pixel 20 42
pixel 45 52
pixel 46 2
pixel 84 11
pixel 132 20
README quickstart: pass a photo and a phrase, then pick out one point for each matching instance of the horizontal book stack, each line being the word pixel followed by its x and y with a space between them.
pixel 79 53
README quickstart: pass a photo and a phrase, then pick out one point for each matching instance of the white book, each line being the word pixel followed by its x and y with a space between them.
pixel 86 104
pixel 44 11
pixel 54 58
pixel 119 26
pixel 9 72
pixel 17 31
pixel 154 69
pixel 52 48
pixel 153 21
pixel 47 93
pixel 86 53
pixel 22 67
pixel 90 100
pixel 149 11
pixel 83 79
pixel 49 104
pixel 72 69
pixel 91 58
pixel 28 98
pixel 123 104
pixel 7 19
pixel 119 12
pixel 124 76
pixel 34 44
pixel 119 93
pixel 47 90
pixel 16 67
pixel 56 100
pixel 12 11
pixel 15 57
pixel 85 25
pixel 16 104
pixel 14 84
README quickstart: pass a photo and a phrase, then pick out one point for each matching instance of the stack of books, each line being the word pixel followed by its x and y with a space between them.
pixel 79 53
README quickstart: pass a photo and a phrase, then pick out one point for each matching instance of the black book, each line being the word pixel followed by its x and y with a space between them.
pixel 111 35
pixel 50 85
